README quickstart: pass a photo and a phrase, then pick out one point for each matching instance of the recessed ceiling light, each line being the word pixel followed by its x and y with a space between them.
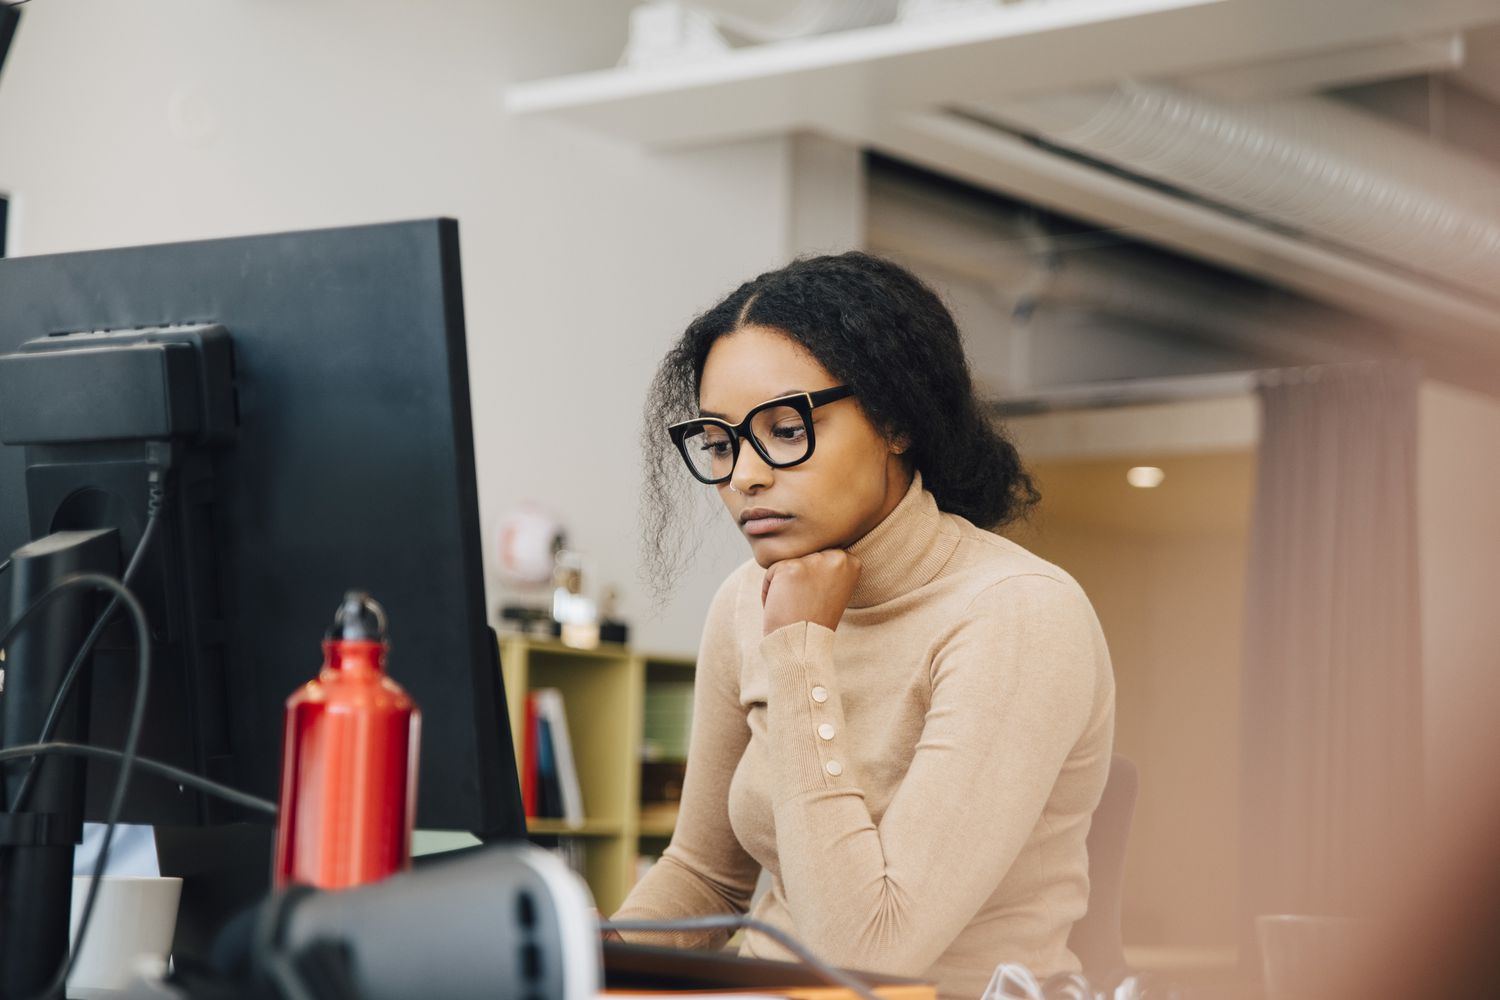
pixel 1145 477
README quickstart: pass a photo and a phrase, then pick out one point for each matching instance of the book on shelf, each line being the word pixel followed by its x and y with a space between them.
pixel 548 795
pixel 668 722
pixel 528 759
pixel 551 706
pixel 550 786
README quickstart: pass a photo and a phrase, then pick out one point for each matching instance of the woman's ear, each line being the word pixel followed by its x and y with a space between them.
pixel 900 444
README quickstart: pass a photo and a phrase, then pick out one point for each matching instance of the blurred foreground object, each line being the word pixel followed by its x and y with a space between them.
pixel 500 922
pixel 1303 956
pixel 1436 933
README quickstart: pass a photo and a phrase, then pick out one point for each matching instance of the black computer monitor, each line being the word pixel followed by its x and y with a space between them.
pixel 340 455
pixel 10 18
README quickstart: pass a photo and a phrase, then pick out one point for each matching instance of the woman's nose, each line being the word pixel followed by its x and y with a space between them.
pixel 750 470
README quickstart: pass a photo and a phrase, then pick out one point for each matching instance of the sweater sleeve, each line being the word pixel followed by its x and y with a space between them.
pixel 1013 689
pixel 704 870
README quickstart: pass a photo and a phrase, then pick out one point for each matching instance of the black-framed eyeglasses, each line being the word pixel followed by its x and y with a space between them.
pixel 780 430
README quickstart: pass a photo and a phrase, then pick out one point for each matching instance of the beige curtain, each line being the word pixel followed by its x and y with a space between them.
pixel 1331 711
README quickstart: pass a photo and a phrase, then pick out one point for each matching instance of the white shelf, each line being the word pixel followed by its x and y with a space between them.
pixel 896 89
pixel 846 84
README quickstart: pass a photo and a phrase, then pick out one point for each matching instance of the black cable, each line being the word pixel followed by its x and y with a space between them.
pixel 725 921
pixel 4 566
pixel 156 767
pixel 64 689
pixel 132 737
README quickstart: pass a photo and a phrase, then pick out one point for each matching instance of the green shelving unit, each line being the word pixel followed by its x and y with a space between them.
pixel 603 692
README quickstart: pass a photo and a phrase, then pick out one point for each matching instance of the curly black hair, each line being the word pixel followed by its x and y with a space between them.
pixel 876 328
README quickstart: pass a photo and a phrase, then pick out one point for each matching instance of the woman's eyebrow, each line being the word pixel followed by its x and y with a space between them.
pixel 779 395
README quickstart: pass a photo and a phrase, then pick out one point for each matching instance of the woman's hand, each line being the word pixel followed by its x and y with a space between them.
pixel 812 588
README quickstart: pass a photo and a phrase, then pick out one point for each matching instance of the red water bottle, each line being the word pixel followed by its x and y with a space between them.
pixel 349 763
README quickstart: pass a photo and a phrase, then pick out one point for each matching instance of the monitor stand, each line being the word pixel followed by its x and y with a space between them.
pixel 36 846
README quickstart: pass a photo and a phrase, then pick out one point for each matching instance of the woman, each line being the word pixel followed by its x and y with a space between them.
pixel 904 718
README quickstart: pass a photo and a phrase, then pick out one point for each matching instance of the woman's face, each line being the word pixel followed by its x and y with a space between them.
pixel 854 478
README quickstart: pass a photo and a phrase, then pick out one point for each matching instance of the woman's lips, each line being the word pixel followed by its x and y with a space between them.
pixel 763 521
pixel 765 525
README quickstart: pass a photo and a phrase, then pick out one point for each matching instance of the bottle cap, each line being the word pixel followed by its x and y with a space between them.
pixel 360 617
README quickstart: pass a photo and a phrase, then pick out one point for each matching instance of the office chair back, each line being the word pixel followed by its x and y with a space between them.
pixel 1096 938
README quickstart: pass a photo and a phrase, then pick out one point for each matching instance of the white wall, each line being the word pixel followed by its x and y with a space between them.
pixel 1458 526
pixel 130 123
pixel 1165 571
pixel 1172 607
pixel 1459 545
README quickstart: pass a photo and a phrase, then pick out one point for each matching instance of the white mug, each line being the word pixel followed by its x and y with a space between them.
pixel 134 917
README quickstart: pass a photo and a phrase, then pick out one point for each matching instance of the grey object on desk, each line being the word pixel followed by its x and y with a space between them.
pixel 501 922
pixel 497 922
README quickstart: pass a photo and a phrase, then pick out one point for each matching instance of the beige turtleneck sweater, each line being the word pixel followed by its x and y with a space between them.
pixel 918 783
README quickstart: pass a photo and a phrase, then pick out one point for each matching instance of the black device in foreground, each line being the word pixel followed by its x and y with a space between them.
pixel 304 399
pixel 501 922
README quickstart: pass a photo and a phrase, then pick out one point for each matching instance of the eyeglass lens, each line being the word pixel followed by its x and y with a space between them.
pixel 780 431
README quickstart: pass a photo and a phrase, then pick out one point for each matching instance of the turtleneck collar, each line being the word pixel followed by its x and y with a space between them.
pixel 905 551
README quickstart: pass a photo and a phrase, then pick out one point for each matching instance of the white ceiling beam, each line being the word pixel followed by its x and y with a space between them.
pixel 840 83
pixel 887 87
pixel 1304 74
pixel 1481 69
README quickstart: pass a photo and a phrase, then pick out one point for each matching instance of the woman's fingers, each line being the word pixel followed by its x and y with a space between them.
pixel 812 588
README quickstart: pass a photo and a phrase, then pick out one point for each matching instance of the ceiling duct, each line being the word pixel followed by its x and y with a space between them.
pixel 1028 260
pixel 1309 165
